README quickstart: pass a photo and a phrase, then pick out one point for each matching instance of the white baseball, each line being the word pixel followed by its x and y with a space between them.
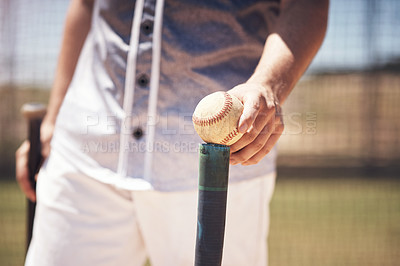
pixel 216 118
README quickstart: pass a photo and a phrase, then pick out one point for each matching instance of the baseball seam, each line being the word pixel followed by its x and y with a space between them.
pixel 208 121
pixel 230 136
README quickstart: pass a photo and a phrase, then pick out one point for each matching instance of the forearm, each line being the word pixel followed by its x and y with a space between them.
pixel 77 26
pixel 294 41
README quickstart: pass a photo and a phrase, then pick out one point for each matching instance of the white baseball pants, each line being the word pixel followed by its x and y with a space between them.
pixel 81 221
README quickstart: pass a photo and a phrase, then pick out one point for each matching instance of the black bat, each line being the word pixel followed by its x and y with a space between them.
pixel 34 113
pixel 211 213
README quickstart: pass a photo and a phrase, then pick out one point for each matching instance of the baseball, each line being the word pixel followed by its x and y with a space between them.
pixel 216 118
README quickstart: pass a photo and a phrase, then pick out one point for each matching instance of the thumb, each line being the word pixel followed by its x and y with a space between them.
pixel 45 151
pixel 251 104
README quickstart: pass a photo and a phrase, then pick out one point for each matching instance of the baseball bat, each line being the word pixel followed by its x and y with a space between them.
pixel 211 212
pixel 34 113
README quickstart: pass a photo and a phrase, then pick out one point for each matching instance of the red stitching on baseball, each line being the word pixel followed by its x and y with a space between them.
pixel 208 121
pixel 230 136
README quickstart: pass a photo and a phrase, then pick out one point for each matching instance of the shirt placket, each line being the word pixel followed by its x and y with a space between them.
pixel 143 74
pixel 134 135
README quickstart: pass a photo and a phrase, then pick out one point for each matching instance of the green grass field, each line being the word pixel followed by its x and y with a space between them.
pixel 335 221
pixel 314 221
pixel 12 224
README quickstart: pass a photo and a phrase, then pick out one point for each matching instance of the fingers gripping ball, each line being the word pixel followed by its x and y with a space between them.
pixel 216 118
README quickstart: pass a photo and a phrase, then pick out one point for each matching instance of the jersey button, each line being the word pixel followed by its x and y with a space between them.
pixel 147 27
pixel 143 80
pixel 137 133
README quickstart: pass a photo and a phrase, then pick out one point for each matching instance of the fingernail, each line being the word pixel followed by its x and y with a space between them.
pixel 243 128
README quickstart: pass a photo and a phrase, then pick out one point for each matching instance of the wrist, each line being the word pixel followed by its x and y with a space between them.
pixel 52 111
pixel 268 90
pixel 273 85
pixel 49 120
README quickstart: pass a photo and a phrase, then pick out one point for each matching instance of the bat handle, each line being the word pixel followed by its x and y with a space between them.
pixel 34 113
pixel 35 155
pixel 211 213
pixel 34 161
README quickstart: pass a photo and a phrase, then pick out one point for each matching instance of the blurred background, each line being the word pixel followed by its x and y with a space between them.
pixel 337 198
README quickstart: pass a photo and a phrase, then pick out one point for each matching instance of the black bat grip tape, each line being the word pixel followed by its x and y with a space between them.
pixel 35 155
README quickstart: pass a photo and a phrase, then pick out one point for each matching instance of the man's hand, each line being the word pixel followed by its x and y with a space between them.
pixel 77 26
pixel 22 172
pixel 294 40
pixel 261 123
pixel 21 159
